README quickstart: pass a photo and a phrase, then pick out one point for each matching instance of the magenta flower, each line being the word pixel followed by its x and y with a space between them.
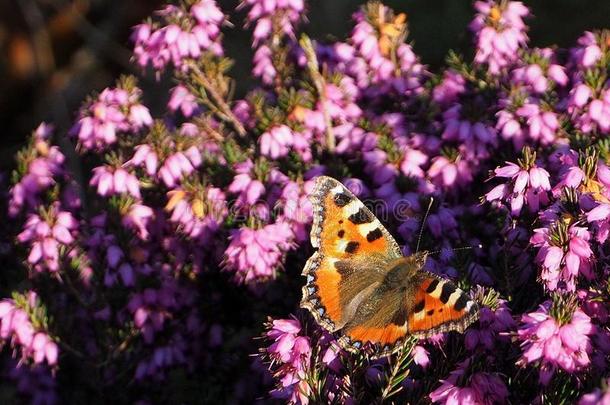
pixel 164 43
pixel 46 235
pixel 500 33
pixel 178 165
pixel 276 142
pixel 290 354
pixel 553 343
pixel 565 253
pixel 115 111
pixel 43 171
pixel 111 181
pixel 480 388
pixel 529 186
pixel 256 254
pixel 249 189
pixel 17 328
pixel 181 99
pixel 199 218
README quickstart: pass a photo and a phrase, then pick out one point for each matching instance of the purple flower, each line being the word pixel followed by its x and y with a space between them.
pixel 482 388
pixel 290 355
pixel 529 186
pixel 276 142
pixel 166 42
pixel 494 326
pixel 500 33
pixel 562 343
pixel 113 112
pixel 17 328
pixel 199 218
pixel 564 254
pixel 111 181
pixel 46 235
pixel 256 254
pixel 181 99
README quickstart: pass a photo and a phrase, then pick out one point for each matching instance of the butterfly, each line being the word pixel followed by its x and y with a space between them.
pixel 360 283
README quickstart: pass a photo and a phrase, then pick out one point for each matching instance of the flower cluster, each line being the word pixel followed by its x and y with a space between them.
pixel 153 246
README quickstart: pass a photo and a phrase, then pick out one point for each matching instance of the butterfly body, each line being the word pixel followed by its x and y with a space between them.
pixel 359 282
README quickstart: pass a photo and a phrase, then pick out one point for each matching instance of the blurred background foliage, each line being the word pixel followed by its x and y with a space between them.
pixel 53 53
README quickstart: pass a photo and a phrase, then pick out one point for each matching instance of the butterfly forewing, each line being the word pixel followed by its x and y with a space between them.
pixel 353 248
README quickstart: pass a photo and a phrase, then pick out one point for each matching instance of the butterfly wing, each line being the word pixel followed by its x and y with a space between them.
pixel 439 306
pixel 408 302
pixel 353 251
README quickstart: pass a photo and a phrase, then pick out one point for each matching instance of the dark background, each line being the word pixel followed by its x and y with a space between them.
pixel 55 52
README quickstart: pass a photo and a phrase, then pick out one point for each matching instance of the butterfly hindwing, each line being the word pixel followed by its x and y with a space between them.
pixel 439 306
pixel 353 248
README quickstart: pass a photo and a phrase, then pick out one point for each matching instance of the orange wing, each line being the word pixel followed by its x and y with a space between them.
pixel 439 306
pixel 353 248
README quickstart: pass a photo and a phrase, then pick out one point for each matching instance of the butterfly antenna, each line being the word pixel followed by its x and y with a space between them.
pixel 458 249
pixel 423 224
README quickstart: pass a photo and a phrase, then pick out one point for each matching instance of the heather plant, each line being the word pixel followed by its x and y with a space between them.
pixel 156 257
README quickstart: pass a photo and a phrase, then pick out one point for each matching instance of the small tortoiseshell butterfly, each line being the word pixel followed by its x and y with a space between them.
pixel 359 282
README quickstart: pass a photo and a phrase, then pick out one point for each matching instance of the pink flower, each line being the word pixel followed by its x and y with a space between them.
pixel 111 181
pixel 500 33
pixel 555 343
pixel 45 237
pixel 115 111
pixel 256 254
pixel 481 388
pixel 290 354
pixel 276 142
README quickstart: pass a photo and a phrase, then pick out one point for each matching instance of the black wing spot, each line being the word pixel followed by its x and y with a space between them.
pixel 446 292
pixel 361 217
pixel 419 306
pixel 461 302
pixel 374 235
pixel 400 317
pixel 432 286
pixel 340 221
pixel 341 233
pixel 430 312
pixel 342 199
pixel 352 247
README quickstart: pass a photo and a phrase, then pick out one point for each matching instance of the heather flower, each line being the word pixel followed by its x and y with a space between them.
pixel 297 209
pixel 276 142
pixel 165 42
pixel 565 253
pixel 528 123
pixel 109 181
pixel 178 165
pixel 115 111
pixel 17 328
pixel 181 99
pixel 46 234
pixel 557 335
pixel 44 169
pixel 199 214
pixel 478 388
pixel 494 326
pixel 256 254
pixel 249 189
pixel 290 355
pixel 137 218
pixel 500 32
pixel 529 185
